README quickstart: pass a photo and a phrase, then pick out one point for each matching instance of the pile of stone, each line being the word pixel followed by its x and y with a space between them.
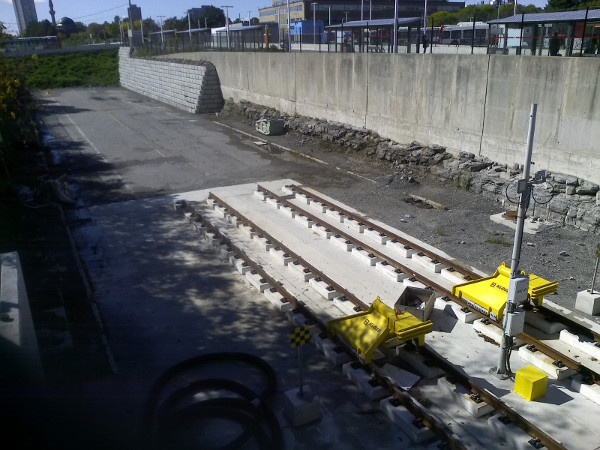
pixel 568 200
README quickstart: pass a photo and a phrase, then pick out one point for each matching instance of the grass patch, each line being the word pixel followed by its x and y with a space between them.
pixel 100 68
pixel 502 242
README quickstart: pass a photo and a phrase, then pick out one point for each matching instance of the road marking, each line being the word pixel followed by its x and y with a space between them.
pixel 84 136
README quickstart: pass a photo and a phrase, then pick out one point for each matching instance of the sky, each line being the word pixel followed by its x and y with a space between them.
pixel 88 11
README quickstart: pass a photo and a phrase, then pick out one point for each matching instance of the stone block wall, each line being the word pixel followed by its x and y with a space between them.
pixel 192 86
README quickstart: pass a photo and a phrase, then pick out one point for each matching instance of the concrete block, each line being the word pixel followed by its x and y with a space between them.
pixel 257 281
pixel 280 255
pixel 508 432
pixel 588 302
pixel 427 263
pixel 301 409
pixel 260 195
pixel 390 272
pixel 277 300
pixel 398 377
pixel 320 207
pixel 337 216
pixel 287 190
pixel 589 390
pixel 323 231
pixel 296 319
pixel 273 202
pixel 211 203
pixel 290 212
pixel 538 321
pixel 266 244
pixel 334 353
pixel 233 220
pixel 225 251
pixel 364 256
pixel 200 228
pixel 398 414
pixel 249 232
pixel 304 272
pixel 342 242
pixel 491 331
pixel 346 305
pixel 323 288
pixel 462 314
pixel 544 363
pixel 469 402
pixel 306 221
pixel 423 366
pixel 303 198
pixel 376 236
pixel 581 344
pixel 368 385
pixel 355 225
pixel 403 250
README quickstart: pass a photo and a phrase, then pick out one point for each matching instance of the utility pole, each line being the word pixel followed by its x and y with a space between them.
pixel 289 24
pixel 362 8
pixel 314 8
pixel 370 9
pixel 162 36
pixel 249 18
pixel 518 286
pixel 189 27
pixel 130 32
pixel 227 23
pixel 395 46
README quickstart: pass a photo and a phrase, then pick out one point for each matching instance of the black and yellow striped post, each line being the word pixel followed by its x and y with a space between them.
pixel 298 338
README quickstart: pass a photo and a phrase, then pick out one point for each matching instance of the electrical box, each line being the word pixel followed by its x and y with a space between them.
pixel 515 323
pixel 518 288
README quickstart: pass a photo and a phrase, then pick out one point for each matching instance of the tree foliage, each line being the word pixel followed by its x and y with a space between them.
pixel 43 28
pixel 479 13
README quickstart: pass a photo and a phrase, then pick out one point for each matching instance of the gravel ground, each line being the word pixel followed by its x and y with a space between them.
pixel 464 230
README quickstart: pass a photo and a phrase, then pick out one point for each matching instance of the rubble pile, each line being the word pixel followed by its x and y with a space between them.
pixel 572 201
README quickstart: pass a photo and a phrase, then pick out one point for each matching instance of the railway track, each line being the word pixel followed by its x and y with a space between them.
pixel 238 219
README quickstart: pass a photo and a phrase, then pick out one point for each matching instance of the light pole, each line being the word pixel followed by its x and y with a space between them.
pixel 227 23
pixel 249 18
pixel 289 24
pixel 362 8
pixel 370 9
pixel 329 15
pixel 395 46
pixel 314 8
pixel 190 28
pixel 162 36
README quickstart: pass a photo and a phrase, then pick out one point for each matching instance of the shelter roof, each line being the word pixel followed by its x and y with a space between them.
pixel 402 21
pixel 564 16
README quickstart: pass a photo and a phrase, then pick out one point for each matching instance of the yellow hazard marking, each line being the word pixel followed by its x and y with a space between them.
pixel 299 336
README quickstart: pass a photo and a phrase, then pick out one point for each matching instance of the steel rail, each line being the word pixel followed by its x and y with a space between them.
pixel 449 263
pixel 544 348
pixel 401 395
pixel 349 296
pixel 579 328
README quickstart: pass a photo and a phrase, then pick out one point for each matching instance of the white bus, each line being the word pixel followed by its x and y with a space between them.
pixel 462 34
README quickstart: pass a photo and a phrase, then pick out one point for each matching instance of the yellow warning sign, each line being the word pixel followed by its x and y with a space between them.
pixel 299 336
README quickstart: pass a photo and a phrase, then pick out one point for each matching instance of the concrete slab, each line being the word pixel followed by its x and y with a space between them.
pixel 398 414
pixel 367 384
pixel 469 402
pixel 587 346
pixel 589 390
pixel 376 236
pixel 531 226
pixel 545 363
pixel 512 435
pixel 364 256
pixel 547 326
pixel 277 300
pixel 390 272
pixel 301 408
pixel 463 314
pixel 304 272
pixel 334 353
pixel 323 288
pixel 588 302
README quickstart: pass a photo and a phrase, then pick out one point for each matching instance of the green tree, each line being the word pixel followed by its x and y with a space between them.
pixel 43 28
pixel 561 5
pixel 215 17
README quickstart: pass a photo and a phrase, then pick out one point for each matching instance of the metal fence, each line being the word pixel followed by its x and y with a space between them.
pixel 474 38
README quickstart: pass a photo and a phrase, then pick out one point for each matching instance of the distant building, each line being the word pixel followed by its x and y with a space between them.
pixel 25 12
pixel 338 11
pixel 134 12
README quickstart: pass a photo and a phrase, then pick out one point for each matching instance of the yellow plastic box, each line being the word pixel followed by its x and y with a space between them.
pixel 530 383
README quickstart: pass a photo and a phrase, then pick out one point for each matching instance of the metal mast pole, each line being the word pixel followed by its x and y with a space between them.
pixel 227 23
pixel 395 46
pixel 524 190
pixel 162 36
pixel 314 7
pixel 288 26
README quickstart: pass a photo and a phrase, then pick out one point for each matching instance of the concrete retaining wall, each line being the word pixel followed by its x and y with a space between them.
pixel 473 103
pixel 192 87
pixel 19 353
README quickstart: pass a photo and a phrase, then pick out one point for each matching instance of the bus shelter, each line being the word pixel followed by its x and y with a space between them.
pixel 376 36
pixel 250 37
pixel 567 33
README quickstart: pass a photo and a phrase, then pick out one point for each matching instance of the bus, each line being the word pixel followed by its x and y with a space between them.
pixel 29 44
pixel 462 34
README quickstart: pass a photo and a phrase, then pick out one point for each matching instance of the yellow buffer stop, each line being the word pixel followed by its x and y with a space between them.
pixel 488 295
pixel 367 330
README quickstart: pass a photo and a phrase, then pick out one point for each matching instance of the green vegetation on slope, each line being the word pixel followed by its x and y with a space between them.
pixel 100 68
